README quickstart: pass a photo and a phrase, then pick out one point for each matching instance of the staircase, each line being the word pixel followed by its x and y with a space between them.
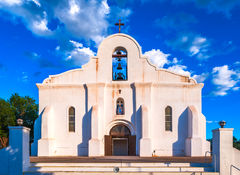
pixel 121 167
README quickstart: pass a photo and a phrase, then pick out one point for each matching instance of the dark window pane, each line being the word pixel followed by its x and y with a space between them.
pixel 168 118
pixel 168 126
pixel 71 119
pixel 168 110
pixel 71 127
pixel 71 111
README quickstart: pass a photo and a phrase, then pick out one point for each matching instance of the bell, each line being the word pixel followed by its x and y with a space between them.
pixel 119 52
pixel 119 67
pixel 120 76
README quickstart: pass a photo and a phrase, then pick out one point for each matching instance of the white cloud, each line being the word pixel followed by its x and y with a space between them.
pixel 40 27
pixel 123 13
pixel 192 44
pixel 224 79
pixel 87 19
pixel 83 20
pixel 80 19
pixel 10 2
pixel 30 12
pixel 57 48
pixel 197 45
pixel 160 59
pixel 98 39
pixel 119 13
pixel 37 3
pixel 76 44
pixel 180 69
pixel 175 60
pixel 74 8
pixel 201 78
pixel 79 55
pixel 236 88
pixel 157 57
pixel 105 8
pixel 210 121
pixel 24 77
pixel 237 63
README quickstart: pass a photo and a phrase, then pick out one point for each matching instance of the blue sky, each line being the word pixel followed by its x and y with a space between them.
pixel 199 38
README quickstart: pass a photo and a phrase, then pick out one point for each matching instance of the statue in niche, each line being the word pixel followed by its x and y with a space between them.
pixel 120 107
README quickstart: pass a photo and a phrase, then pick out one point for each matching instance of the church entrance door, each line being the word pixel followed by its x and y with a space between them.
pixel 120 147
pixel 119 142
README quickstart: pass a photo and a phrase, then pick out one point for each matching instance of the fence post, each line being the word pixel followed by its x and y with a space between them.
pixel 19 149
pixel 222 145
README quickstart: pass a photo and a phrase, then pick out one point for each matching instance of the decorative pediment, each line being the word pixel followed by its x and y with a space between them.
pixel 120 58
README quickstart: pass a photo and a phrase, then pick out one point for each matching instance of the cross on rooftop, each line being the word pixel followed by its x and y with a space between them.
pixel 119 24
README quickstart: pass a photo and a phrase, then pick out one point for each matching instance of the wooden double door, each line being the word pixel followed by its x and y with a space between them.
pixel 120 142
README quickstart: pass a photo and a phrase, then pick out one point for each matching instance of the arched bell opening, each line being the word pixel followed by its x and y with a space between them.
pixel 120 142
pixel 119 64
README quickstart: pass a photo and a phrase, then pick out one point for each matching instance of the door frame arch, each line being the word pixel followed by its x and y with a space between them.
pixel 108 143
pixel 120 122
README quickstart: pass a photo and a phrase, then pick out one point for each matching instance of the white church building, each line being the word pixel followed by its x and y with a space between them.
pixel 120 104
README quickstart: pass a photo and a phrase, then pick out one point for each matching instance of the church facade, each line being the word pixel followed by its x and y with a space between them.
pixel 120 104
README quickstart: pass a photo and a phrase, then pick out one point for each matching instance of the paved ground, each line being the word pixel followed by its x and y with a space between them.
pixel 113 159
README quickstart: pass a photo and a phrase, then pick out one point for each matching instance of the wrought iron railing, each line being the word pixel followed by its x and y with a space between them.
pixel 231 168
pixel 214 159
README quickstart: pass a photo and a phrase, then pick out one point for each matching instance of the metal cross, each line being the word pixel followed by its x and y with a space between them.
pixel 119 24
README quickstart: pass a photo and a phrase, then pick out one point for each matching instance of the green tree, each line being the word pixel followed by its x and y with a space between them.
pixel 236 143
pixel 26 109
pixel 7 117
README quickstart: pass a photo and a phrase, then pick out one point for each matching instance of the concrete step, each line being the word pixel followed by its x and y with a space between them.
pixel 121 173
pixel 123 164
pixel 122 169
pixel 126 165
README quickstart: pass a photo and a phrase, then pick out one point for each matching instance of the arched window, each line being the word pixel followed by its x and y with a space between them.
pixel 71 119
pixel 119 64
pixel 120 110
pixel 168 118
